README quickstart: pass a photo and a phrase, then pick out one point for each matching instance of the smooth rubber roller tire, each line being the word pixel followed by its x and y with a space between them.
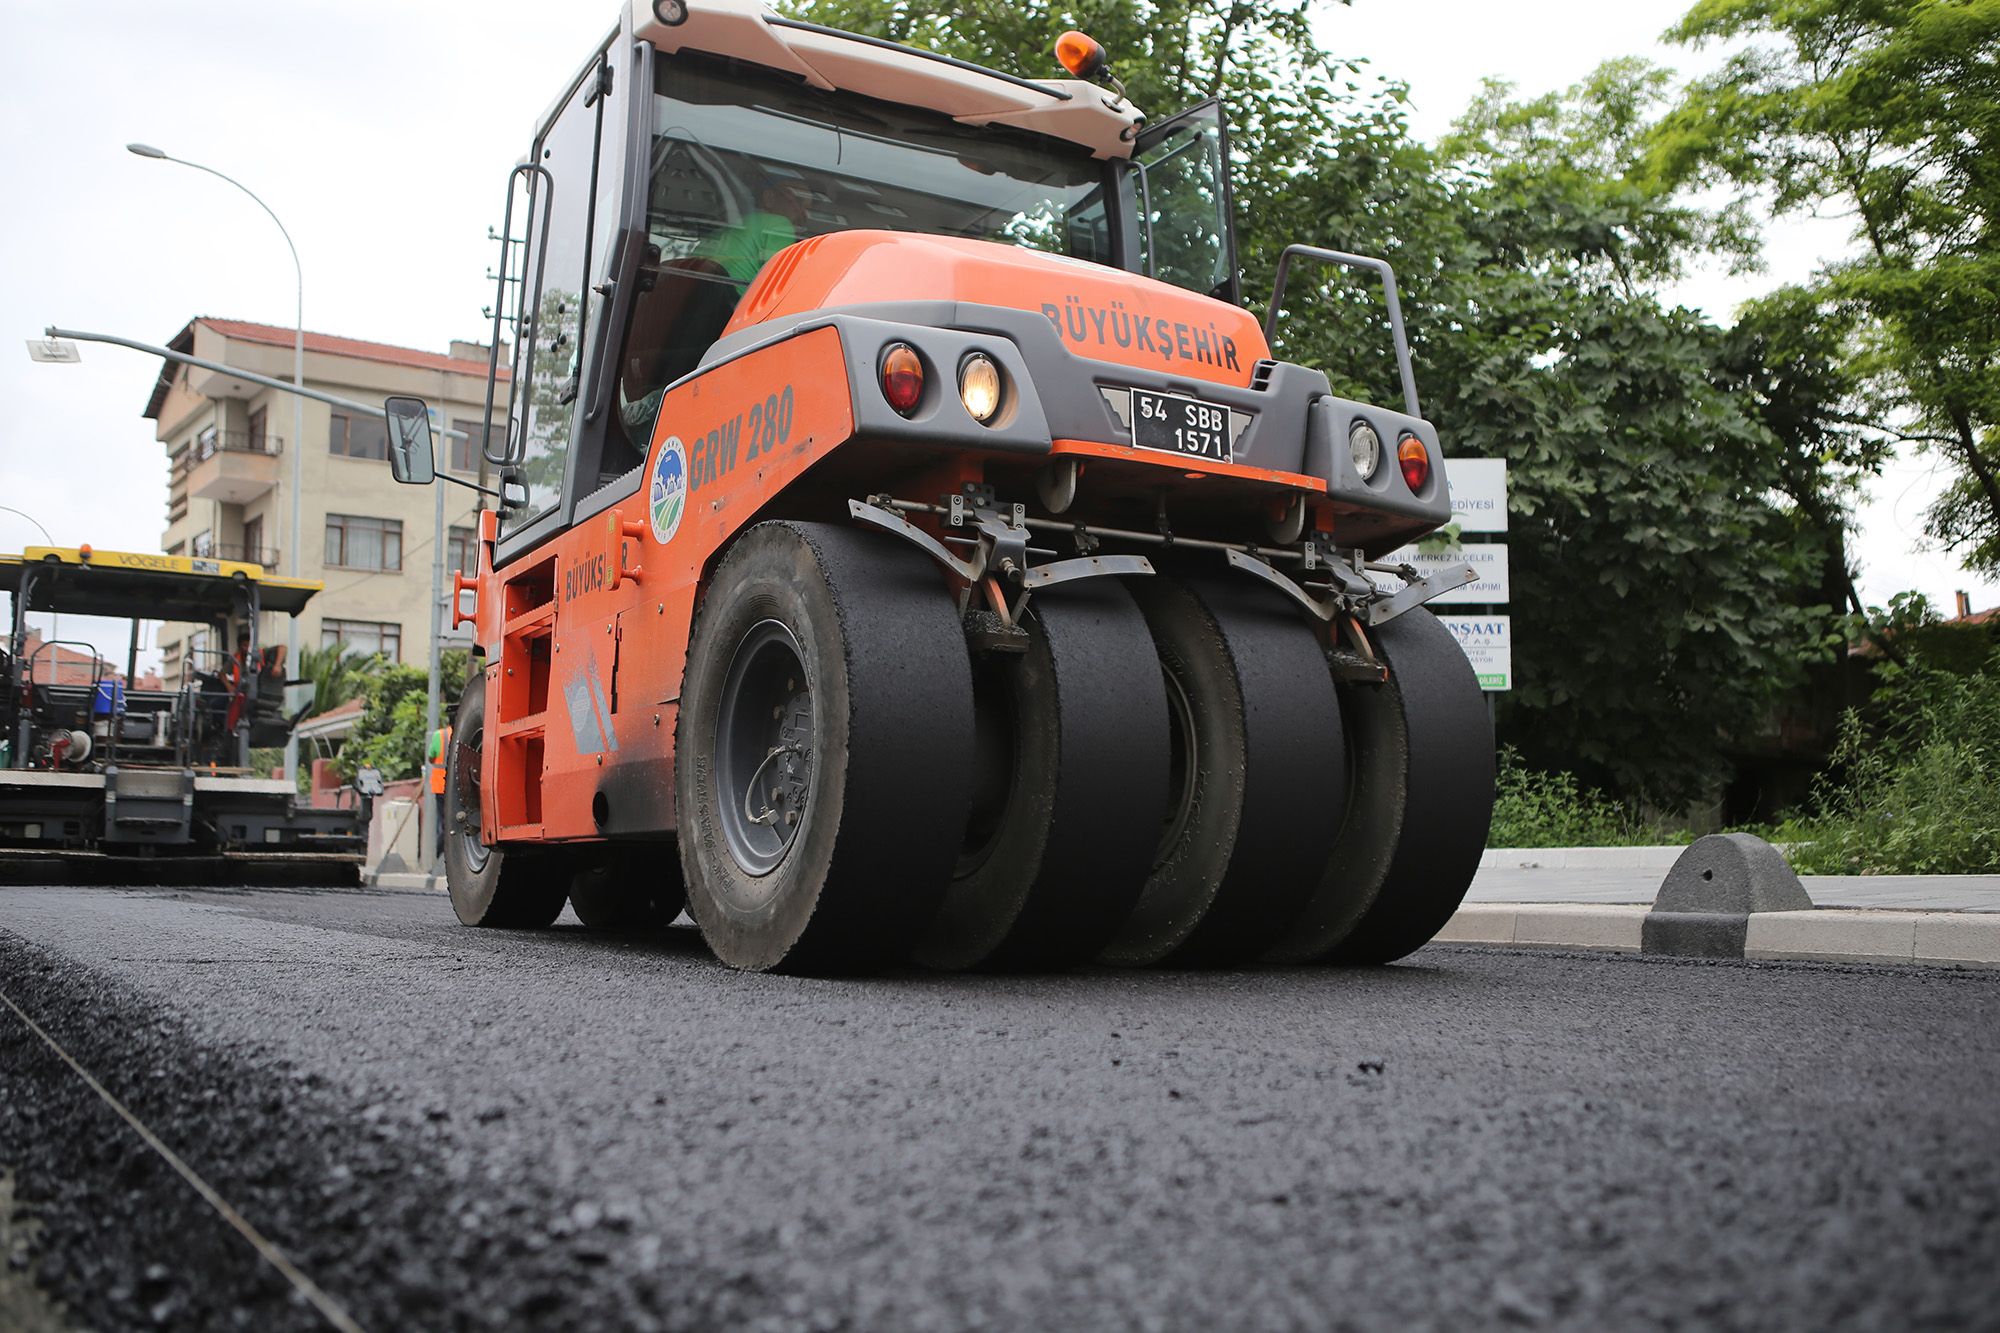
pixel 628 885
pixel 1070 792
pixel 1260 769
pixel 822 751
pixel 491 886
pixel 1425 765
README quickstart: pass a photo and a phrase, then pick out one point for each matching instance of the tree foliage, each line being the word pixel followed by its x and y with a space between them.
pixel 1677 499
pixel 1677 502
pixel 390 735
pixel 1888 111
pixel 338 674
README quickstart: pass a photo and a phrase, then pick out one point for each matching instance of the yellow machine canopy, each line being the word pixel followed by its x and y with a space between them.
pixel 134 585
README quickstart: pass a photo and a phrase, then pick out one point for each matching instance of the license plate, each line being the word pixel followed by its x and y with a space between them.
pixel 1178 425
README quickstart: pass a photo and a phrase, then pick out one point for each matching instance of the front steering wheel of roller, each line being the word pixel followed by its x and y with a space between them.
pixel 491 886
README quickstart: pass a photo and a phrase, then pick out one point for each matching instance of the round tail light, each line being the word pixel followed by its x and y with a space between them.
pixel 1415 460
pixel 902 377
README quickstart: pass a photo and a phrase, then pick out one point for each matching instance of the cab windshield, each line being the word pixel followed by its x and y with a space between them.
pixel 743 164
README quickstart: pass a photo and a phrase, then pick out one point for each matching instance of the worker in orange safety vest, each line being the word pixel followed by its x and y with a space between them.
pixel 437 754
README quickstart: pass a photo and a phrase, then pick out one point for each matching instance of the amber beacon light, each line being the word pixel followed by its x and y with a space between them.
pixel 1080 54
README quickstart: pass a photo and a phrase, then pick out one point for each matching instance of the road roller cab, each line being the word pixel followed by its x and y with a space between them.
pixel 910 547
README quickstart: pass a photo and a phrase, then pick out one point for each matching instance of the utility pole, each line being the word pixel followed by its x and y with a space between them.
pixel 433 702
pixel 298 419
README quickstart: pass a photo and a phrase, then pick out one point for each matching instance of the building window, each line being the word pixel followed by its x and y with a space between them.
pixel 461 555
pixel 256 431
pixel 357 437
pixel 465 453
pixel 203 546
pixel 366 637
pixel 253 541
pixel 364 543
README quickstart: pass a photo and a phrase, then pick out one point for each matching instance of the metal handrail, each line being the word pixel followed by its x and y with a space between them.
pixel 212 442
pixel 524 341
pixel 267 556
pixel 1388 276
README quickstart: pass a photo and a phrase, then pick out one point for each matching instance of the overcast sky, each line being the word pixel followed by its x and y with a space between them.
pixel 382 133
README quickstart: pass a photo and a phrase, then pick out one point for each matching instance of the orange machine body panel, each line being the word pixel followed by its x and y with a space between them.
pixel 587 635
pixel 1103 313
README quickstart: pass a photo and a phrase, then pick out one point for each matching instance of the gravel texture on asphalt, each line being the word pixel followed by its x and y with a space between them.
pixel 572 1130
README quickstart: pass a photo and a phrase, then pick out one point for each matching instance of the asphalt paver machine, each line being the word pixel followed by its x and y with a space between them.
pixel 910 548
pixel 96 766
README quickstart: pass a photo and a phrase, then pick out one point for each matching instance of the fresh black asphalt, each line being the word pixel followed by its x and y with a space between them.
pixel 451 1128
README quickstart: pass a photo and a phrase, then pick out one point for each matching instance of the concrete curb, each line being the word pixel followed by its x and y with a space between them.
pixel 1580 858
pixel 1822 935
pixel 405 880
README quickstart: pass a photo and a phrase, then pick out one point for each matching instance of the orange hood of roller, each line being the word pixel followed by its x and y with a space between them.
pixel 1099 312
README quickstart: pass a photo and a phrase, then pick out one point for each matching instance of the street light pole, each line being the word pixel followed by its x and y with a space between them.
pixel 55 621
pixel 298 420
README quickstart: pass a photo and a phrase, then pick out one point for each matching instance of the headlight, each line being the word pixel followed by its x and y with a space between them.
pixel 1365 446
pixel 979 386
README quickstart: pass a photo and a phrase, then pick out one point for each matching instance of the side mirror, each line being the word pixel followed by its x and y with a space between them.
pixel 410 457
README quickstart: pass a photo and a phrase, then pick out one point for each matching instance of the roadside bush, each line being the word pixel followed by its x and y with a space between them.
pixel 1536 809
pixel 390 734
pixel 1918 791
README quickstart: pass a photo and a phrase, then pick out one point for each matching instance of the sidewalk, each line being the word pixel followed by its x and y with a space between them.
pixel 1598 898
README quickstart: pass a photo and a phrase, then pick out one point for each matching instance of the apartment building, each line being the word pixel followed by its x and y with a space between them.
pixel 366 538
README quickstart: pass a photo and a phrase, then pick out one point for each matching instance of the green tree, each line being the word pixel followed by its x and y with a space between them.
pixel 390 734
pixel 1888 111
pixel 338 674
pixel 1669 581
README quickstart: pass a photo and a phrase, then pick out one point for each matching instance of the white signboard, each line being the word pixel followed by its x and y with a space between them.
pixel 1478 493
pixel 1489 558
pixel 1489 642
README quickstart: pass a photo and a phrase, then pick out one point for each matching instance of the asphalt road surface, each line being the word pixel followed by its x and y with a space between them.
pixel 450 1128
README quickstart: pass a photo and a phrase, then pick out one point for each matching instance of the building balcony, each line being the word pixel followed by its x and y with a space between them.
pixel 232 466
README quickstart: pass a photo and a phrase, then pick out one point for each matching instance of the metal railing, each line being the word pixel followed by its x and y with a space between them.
pixel 267 556
pixel 212 442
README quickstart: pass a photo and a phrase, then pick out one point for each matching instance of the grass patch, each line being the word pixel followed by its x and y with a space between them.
pixel 1917 790
pixel 1536 809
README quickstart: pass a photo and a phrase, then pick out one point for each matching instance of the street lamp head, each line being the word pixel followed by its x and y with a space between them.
pixel 144 150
